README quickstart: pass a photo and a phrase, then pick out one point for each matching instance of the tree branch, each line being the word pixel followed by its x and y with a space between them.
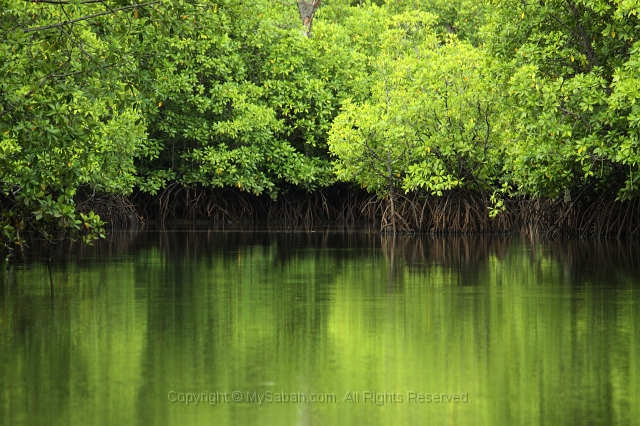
pixel 62 2
pixel 584 37
pixel 84 18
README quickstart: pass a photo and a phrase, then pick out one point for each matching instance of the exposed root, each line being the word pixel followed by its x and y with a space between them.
pixel 468 213
pixel 228 206
pixel 456 212
pixel 116 210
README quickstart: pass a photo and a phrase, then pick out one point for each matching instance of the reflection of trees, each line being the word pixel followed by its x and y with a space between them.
pixel 465 256
pixel 185 241
pixel 587 259
pixel 449 251
pixel 198 310
pixel 584 260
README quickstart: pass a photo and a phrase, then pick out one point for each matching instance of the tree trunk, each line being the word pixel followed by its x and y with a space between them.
pixel 307 9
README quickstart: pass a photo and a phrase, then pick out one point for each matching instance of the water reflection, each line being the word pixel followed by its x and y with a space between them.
pixel 532 331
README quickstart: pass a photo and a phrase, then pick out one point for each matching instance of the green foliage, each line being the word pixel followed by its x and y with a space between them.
pixel 506 97
pixel 429 123
pixel 464 18
pixel 244 99
pixel 573 88
pixel 69 115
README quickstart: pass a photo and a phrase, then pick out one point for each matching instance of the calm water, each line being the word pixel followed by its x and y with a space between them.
pixel 368 330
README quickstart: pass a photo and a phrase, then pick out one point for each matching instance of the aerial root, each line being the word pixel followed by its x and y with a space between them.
pixel 455 212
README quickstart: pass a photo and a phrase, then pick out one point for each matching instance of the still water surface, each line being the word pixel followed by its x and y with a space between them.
pixel 362 327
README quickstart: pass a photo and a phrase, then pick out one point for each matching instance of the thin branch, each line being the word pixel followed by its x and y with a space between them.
pixel 566 111
pixel 79 47
pixel 584 37
pixel 84 18
pixel 62 2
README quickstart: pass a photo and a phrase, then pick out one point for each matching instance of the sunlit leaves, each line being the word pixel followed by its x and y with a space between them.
pixel 431 119
pixel 573 88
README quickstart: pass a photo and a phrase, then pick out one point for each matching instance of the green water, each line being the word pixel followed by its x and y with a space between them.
pixel 519 333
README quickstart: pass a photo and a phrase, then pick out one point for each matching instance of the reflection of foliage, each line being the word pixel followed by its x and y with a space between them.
pixel 271 311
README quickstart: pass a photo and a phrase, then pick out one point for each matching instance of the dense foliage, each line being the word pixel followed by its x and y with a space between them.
pixel 503 98
pixel 573 68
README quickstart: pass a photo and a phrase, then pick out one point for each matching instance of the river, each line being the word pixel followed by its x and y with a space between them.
pixel 322 327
